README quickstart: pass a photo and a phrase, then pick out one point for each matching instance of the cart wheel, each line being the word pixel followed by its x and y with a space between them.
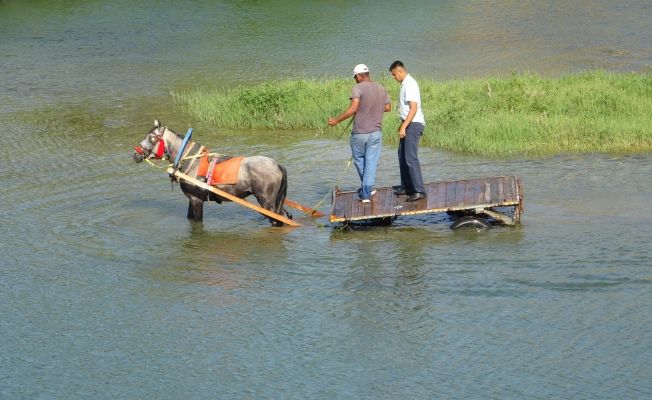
pixel 456 214
pixel 470 222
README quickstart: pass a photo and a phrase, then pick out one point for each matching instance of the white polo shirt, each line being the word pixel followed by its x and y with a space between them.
pixel 410 92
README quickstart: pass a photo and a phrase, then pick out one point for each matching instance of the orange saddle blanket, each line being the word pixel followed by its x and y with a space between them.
pixel 225 172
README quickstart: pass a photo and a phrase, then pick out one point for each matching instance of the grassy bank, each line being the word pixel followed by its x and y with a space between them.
pixel 515 115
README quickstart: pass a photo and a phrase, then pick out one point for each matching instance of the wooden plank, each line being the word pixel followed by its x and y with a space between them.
pixel 391 202
pixel 495 195
pixel 375 203
pixel 500 189
pixel 507 187
pixel 341 205
pixel 514 188
pixel 479 191
pixel 459 193
pixel 486 195
pixel 469 193
pixel 358 206
pixel 386 204
pixel 431 190
pixel 397 204
pixel 335 208
pixel 521 195
pixel 408 206
pixel 451 188
pixel 340 199
pixel 353 200
pixel 233 198
pixel 307 210
pixel 367 208
pixel 348 212
pixel 382 201
pixel 440 202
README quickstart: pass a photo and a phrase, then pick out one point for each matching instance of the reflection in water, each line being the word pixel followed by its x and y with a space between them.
pixel 221 258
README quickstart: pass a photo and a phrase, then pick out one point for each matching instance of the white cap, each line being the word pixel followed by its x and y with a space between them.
pixel 360 69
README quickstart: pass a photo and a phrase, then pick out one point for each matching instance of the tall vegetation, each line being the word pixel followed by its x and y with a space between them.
pixel 519 114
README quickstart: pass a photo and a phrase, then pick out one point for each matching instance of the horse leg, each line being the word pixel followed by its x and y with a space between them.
pixel 271 196
pixel 195 209
pixel 191 213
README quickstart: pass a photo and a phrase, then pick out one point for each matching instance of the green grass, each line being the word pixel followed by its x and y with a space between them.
pixel 520 114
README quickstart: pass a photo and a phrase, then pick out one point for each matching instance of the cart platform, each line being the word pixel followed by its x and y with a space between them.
pixel 477 196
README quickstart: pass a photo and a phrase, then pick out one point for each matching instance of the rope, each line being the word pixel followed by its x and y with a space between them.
pixel 319 203
pixel 345 128
pixel 182 159
pixel 321 108
pixel 348 164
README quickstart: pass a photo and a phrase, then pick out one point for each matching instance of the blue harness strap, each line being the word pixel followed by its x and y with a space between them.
pixel 186 139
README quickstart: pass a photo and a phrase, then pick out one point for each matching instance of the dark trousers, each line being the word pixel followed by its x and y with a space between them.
pixel 408 160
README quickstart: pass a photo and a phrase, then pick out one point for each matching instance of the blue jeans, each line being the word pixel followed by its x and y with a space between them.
pixel 365 148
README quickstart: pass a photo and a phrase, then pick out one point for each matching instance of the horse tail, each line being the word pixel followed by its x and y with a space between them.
pixel 282 190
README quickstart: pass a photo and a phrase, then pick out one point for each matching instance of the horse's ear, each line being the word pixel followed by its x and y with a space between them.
pixel 157 124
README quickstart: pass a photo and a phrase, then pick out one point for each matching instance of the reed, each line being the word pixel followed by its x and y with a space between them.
pixel 519 114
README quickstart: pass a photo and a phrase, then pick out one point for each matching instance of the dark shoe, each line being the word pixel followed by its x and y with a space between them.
pixel 397 187
pixel 400 191
pixel 416 196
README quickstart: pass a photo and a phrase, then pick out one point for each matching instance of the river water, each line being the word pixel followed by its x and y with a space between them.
pixel 107 291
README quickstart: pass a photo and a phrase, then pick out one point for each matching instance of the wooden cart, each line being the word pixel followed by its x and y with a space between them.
pixel 477 202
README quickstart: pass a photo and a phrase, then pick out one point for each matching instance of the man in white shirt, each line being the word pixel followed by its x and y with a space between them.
pixel 410 131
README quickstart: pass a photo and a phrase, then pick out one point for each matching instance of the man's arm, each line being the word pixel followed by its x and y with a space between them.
pixel 353 108
pixel 408 119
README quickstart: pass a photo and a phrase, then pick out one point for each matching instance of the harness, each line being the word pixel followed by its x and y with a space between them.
pixel 185 150
pixel 182 148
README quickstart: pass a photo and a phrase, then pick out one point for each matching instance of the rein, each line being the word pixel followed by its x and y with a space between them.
pixel 182 159
pixel 319 203
pixel 162 152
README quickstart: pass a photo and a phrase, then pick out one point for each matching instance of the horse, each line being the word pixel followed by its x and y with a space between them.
pixel 260 176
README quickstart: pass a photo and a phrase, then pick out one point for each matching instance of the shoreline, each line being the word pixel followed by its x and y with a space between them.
pixel 516 115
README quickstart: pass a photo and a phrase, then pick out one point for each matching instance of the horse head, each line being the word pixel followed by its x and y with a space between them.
pixel 153 145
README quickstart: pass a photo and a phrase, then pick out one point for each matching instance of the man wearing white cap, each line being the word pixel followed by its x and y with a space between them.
pixel 368 102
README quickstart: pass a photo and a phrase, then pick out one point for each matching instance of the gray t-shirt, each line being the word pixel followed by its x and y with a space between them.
pixel 373 97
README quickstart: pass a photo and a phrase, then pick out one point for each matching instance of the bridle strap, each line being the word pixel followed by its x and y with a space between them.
pixel 161 151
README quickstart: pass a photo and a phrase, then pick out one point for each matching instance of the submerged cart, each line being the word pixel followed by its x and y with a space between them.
pixel 476 203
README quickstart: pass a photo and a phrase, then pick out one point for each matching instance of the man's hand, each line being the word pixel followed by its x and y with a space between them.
pixel 332 122
pixel 401 131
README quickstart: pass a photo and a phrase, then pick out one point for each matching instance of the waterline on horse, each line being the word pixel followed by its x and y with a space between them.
pixel 260 176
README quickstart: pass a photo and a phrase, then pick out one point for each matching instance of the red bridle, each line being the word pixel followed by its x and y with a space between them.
pixel 160 151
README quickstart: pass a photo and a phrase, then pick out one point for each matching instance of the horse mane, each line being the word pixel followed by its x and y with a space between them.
pixel 165 128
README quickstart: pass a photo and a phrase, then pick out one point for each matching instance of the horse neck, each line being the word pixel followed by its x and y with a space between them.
pixel 173 142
